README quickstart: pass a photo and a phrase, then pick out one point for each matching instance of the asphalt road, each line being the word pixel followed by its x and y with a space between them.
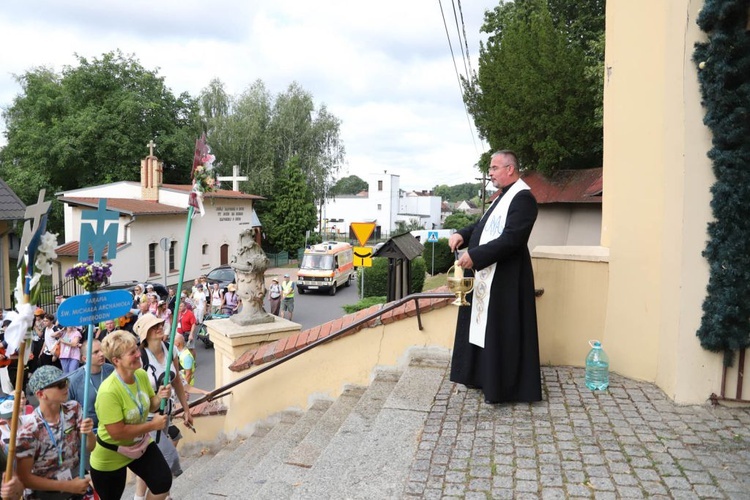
pixel 310 309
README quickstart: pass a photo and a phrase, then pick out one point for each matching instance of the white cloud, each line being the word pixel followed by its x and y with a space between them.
pixel 383 68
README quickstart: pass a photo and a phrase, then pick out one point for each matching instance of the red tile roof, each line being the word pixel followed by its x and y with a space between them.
pixel 127 205
pixel 565 186
pixel 70 249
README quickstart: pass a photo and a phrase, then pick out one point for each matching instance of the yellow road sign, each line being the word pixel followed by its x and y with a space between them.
pixel 363 231
pixel 362 256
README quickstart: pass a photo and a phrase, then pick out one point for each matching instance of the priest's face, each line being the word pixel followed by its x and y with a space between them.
pixel 501 171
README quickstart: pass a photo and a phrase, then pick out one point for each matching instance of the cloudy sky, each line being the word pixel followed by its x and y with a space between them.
pixel 384 68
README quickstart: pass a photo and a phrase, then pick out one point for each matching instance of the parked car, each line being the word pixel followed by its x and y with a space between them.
pixel 159 288
pixel 223 275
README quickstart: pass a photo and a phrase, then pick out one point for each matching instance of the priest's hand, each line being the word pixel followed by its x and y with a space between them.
pixel 455 241
pixel 465 261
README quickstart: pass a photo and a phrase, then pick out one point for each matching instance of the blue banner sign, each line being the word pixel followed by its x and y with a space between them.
pixel 94 307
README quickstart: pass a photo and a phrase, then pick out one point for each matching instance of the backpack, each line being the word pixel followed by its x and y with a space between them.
pixel 152 369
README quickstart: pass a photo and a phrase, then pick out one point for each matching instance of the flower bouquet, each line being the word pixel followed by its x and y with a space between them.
pixel 204 176
pixel 90 275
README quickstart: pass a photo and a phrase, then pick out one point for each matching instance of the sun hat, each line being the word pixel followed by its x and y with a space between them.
pixel 39 312
pixel 144 324
pixel 6 408
pixel 43 377
pixel 275 279
pixel 286 275
pixel 231 287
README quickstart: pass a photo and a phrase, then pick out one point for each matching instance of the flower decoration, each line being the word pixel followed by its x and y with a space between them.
pixel 90 275
pixel 204 178
pixel 43 256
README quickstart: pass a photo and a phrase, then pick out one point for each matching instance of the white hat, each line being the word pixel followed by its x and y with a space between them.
pixel 6 409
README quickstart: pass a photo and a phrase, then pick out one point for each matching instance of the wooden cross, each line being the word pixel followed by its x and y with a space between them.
pixel 235 178
pixel 36 219
pixel 151 145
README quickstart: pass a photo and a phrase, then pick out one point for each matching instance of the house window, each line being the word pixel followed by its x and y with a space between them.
pixel 380 185
pixel 380 207
pixel 152 259
pixel 204 249
pixel 172 246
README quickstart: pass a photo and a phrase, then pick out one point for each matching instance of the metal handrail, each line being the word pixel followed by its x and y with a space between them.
pixel 224 390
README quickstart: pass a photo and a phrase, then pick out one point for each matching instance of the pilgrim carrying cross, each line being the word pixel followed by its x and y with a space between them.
pixel 235 178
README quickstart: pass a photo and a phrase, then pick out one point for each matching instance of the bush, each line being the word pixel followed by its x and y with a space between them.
pixel 444 258
pixel 376 277
pixel 364 304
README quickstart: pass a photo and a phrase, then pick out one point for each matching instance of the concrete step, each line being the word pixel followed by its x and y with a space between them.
pixel 377 464
pixel 203 475
pixel 351 433
pixel 264 467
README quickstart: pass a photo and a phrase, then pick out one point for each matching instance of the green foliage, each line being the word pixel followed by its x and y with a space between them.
pixel 364 304
pixel 406 227
pixel 418 274
pixel 261 134
pixel 90 125
pixel 348 185
pixel 291 212
pixel 459 192
pixel 376 276
pixel 459 220
pixel 537 88
pixel 444 257
pixel 724 75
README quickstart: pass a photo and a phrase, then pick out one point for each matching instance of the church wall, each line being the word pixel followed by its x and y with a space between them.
pixel 656 203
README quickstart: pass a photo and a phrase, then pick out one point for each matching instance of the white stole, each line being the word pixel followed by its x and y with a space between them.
pixel 493 228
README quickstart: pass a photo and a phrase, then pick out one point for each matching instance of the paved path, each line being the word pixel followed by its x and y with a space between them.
pixel 628 442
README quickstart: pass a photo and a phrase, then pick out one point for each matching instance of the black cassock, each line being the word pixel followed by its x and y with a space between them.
pixel 507 368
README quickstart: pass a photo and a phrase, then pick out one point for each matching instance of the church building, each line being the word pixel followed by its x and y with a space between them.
pixel 152 221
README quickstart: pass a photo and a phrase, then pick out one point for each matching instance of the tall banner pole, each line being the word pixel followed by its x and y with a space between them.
pixel 203 181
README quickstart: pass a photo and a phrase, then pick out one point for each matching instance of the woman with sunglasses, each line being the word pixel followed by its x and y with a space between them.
pixel 49 439
pixel 123 403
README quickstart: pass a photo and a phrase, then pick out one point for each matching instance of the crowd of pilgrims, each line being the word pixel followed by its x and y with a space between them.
pixel 126 427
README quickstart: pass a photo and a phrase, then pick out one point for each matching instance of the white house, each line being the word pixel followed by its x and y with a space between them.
pixel 152 219
pixel 383 203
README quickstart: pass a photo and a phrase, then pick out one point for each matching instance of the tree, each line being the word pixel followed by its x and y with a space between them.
pixel 348 185
pixel 90 125
pixel 291 211
pixel 406 227
pixel 459 220
pixel 535 91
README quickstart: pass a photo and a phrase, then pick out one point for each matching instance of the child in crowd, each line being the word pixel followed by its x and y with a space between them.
pixel 70 349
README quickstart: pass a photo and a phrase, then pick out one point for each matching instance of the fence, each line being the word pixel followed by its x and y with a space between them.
pixel 278 259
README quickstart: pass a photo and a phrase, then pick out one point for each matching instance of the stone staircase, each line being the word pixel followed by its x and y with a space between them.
pixel 361 445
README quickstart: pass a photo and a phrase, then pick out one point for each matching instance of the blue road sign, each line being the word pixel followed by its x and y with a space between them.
pixel 432 236
pixel 94 307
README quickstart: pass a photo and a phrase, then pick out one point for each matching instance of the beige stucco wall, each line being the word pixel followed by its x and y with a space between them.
pixel 656 203
pixel 572 309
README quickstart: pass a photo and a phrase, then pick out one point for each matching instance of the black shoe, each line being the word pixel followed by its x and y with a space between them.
pixel 490 402
pixel 469 386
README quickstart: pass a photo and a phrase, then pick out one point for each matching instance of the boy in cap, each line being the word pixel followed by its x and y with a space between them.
pixel 49 440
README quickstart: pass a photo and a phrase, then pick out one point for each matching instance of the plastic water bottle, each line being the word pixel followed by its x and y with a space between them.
pixel 597 367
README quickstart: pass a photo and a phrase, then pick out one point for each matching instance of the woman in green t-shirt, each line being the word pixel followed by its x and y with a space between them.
pixel 122 404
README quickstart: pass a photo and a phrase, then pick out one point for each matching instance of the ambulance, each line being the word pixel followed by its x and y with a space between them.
pixel 326 266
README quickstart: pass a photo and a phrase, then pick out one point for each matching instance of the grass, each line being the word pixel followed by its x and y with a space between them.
pixel 436 281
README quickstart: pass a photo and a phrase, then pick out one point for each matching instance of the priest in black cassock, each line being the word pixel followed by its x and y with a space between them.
pixel 496 347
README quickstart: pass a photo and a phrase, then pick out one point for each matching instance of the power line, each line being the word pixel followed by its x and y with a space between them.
pixel 458 78
pixel 463 26
pixel 458 33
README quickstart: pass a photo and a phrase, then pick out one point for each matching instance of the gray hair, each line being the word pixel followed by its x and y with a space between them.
pixel 510 155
